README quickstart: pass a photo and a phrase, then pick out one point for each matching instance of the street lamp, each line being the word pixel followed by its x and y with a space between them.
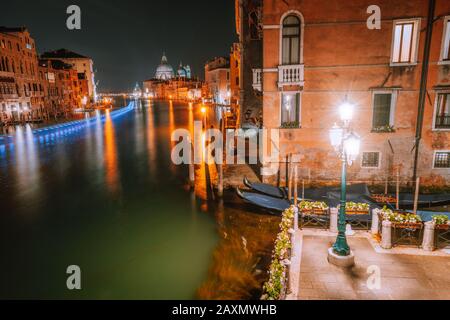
pixel 347 144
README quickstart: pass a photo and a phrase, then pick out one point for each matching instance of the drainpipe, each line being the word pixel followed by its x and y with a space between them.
pixel 423 84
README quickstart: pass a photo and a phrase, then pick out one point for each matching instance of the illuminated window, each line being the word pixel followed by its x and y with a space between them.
pixel 442 160
pixel 370 160
pixel 405 41
pixel 290 110
pixel 445 54
pixel 291 40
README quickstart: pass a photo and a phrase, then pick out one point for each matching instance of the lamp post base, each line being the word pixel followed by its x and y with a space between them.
pixel 341 261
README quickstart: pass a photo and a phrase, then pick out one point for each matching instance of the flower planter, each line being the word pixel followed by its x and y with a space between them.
pixel 381 198
pixel 355 212
pixel 316 212
pixel 441 236
pixel 408 233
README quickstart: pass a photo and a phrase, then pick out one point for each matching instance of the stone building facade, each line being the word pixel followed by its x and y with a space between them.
pixel 217 78
pixel 20 90
pixel 250 32
pixel 316 56
pixel 82 64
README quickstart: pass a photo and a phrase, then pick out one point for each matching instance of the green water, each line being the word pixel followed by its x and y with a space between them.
pixel 107 198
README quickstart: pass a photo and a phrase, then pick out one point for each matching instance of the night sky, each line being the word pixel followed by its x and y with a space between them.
pixel 126 38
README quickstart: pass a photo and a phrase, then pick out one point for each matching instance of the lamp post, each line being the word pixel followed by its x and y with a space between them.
pixel 347 145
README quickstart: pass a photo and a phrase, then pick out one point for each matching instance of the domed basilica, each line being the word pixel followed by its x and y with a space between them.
pixel 166 72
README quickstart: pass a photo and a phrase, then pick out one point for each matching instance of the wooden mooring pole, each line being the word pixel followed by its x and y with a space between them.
pixel 397 204
pixel 416 195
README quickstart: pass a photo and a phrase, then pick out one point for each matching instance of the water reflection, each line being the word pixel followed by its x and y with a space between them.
pixel 151 140
pixel 27 163
pixel 110 155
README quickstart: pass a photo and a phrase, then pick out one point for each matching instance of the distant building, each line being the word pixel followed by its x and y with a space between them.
pixel 82 64
pixel 167 85
pixel 217 79
pixel 60 84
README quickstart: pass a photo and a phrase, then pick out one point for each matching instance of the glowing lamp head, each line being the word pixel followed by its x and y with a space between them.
pixel 203 110
pixel 336 136
pixel 346 111
pixel 351 146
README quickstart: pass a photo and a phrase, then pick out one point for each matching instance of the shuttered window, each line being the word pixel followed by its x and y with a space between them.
pixel 382 104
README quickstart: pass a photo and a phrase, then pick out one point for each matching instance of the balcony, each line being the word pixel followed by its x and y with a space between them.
pixel 442 122
pixel 291 75
pixel 257 79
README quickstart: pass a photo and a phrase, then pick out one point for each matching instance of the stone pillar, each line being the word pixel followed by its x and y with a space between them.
pixel 428 236
pixel 296 218
pixel 375 221
pixel 334 220
pixel 386 239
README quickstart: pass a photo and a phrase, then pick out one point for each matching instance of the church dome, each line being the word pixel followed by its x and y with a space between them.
pixel 164 70
pixel 181 72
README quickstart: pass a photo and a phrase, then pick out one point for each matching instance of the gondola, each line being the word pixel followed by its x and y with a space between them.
pixel 270 204
pixel 406 200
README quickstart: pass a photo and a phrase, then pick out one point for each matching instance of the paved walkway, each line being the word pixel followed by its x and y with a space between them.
pixel 403 277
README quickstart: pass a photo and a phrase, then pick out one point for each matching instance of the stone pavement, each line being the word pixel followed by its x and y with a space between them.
pixel 403 277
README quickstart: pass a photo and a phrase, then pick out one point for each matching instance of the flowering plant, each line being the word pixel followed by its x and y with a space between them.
pixel 274 287
pixel 403 218
pixel 353 206
pixel 312 205
pixel 440 219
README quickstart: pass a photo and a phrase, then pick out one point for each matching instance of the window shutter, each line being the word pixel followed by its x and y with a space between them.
pixel 382 110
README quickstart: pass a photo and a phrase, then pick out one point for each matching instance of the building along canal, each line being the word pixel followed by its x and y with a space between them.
pixel 106 197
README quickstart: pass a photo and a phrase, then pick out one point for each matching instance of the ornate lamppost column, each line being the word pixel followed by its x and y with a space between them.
pixel 347 144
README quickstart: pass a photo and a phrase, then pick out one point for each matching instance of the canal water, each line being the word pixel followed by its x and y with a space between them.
pixel 107 198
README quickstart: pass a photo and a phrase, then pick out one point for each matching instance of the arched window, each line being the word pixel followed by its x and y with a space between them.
pixel 291 40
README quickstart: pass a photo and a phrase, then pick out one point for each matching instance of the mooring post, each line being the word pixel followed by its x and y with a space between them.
pixel 397 205
pixel 416 195
pixel 386 185
pixel 289 178
pixel 295 186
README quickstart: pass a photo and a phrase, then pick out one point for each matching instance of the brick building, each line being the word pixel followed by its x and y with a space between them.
pixel 82 64
pixel 317 55
pixel 21 96
pixel 250 32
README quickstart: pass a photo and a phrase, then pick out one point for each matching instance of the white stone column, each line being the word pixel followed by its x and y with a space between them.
pixel 375 221
pixel 428 236
pixel 334 220
pixel 296 218
pixel 386 237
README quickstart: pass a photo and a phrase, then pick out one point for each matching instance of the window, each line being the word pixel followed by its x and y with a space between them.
pixel 442 120
pixel 370 160
pixel 383 110
pixel 290 110
pixel 291 40
pixel 405 41
pixel 442 160
pixel 445 51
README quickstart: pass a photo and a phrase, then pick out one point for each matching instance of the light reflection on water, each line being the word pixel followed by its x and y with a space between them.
pixel 107 198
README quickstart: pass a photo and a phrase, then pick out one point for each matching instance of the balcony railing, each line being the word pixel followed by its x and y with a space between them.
pixel 257 79
pixel 291 75
pixel 443 122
